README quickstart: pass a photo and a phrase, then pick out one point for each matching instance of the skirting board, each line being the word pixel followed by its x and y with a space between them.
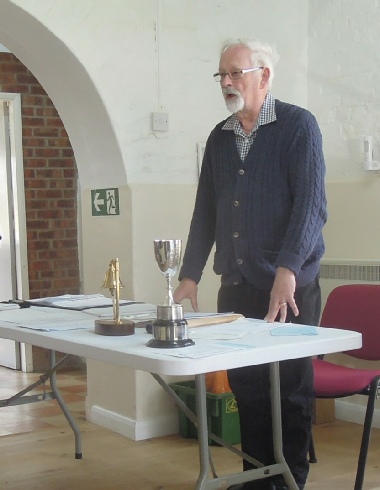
pixel 137 430
pixel 168 424
pixel 351 412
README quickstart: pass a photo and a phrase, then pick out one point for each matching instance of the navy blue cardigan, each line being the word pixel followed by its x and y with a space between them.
pixel 265 212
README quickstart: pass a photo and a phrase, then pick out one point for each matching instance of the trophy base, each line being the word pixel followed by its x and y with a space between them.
pixel 112 328
pixel 170 344
pixel 170 334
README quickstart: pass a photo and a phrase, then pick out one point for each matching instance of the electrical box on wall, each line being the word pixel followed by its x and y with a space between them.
pixel 369 162
pixel 160 121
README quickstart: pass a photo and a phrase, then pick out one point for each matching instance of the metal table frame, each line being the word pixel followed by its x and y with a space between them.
pixel 204 481
pixel 133 353
pixel 21 398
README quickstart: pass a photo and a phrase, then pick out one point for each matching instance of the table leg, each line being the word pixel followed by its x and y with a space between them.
pixel 280 466
pixel 62 404
pixel 21 398
pixel 200 388
pixel 277 426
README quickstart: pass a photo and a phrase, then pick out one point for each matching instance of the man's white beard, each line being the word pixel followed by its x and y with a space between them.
pixel 236 104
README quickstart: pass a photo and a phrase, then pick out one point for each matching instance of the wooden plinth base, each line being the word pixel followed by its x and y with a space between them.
pixel 110 327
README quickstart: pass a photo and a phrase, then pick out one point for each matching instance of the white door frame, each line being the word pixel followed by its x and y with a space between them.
pixel 20 235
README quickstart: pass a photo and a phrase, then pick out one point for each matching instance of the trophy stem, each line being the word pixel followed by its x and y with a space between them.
pixel 169 298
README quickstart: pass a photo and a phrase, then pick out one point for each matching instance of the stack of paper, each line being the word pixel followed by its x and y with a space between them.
pixel 47 319
pixel 76 301
pixel 8 306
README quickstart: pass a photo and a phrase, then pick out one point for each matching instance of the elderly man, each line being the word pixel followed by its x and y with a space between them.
pixel 261 200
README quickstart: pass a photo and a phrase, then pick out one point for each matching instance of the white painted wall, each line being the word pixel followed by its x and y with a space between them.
pixel 159 55
pixel 344 79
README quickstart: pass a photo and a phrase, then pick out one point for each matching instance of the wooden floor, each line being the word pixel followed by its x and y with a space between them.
pixel 42 458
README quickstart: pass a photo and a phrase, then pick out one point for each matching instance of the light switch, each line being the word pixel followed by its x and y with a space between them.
pixel 160 121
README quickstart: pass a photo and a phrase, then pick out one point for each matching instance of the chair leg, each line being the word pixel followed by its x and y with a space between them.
pixel 312 455
pixel 366 435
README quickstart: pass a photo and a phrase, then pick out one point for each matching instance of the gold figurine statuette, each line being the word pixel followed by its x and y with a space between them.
pixel 117 326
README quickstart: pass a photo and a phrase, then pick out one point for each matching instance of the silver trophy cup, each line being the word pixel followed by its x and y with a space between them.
pixel 168 257
pixel 170 328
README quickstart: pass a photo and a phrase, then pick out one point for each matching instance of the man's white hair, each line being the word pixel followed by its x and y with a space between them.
pixel 261 54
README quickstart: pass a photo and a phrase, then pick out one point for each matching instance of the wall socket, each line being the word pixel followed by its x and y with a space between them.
pixel 160 121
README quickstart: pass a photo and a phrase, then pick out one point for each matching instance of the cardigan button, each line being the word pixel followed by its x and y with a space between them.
pixel 239 261
pixel 236 234
pixel 241 172
pixel 236 204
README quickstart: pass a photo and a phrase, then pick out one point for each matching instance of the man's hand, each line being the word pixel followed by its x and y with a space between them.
pixel 282 295
pixel 187 289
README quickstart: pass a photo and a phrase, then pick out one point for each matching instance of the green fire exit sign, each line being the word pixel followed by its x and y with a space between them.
pixel 105 202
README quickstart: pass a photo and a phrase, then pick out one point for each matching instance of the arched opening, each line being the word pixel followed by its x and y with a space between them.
pixel 55 74
pixel 73 93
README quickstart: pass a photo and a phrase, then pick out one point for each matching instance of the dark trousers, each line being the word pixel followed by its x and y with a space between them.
pixel 251 384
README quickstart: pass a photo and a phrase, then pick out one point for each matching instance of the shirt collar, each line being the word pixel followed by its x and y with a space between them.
pixel 267 115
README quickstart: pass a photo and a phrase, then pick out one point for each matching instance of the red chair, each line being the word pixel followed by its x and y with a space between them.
pixel 352 307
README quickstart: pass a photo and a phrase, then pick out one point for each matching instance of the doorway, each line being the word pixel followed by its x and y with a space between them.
pixel 13 253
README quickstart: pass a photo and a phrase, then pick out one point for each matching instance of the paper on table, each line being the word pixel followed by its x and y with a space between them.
pixel 241 325
pixel 254 324
pixel 276 328
pixel 293 329
pixel 217 334
pixel 198 314
pixel 76 301
pixel 46 318
pixel 58 327
pixel 138 311
pixel 202 350
pixel 248 325
pixel 9 306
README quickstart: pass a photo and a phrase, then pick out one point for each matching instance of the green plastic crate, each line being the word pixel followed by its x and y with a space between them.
pixel 222 413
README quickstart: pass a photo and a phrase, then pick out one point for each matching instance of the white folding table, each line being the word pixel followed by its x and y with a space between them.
pixel 259 347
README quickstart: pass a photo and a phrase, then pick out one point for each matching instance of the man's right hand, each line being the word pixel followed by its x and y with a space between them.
pixel 187 289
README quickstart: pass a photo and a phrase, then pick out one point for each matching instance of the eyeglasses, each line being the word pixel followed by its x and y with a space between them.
pixel 234 75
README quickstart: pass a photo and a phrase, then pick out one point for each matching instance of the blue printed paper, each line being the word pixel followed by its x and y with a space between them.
pixel 294 330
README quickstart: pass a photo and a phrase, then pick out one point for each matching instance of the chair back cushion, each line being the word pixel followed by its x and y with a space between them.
pixel 356 307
